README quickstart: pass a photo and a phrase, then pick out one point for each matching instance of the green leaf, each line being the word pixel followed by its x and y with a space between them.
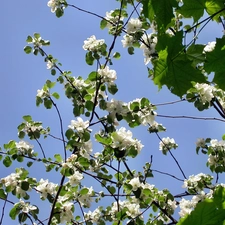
pixel 22 217
pixel 53 72
pixel 59 12
pixel 69 133
pixel 50 84
pixel 112 89
pixel 38 100
pixel 7 161
pixel 86 136
pixel 55 95
pixel 84 161
pixel 84 191
pixel 27 49
pixel 27 118
pixel 29 164
pixel 213 7
pixel 3 194
pixel 103 24
pixel 162 12
pixel 14 212
pixel 29 39
pixel 37 35
pixel 195 54
pixel 25 185
pixel 192 8
pixel 93 76
pixel 89 105
pixel 47 103
pixel 130 50
pixel 103 140
pixel 58 158
pixel 21 134
pixel 89 58
pixel 116 55
pixel 176 73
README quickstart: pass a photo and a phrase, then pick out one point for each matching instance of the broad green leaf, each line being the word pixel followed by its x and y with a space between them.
pixel 37 35
pixel 89 105
pixel 22 217
pixel 47 103
pixel 116 55
pixel 112 89
pixel 94 76
pixel 2 194
pixel 29 39
pixel 206 213
pixel 103 24
pixel 53 72
pixel 103 140
pixel 195 54
pixel 50 84
pixel 214 6
pixel 58 158
pixel 84 191
pixel 192 8
pixel 59 12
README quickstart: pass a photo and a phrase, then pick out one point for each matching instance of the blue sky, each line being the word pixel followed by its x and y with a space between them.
pixel 22 75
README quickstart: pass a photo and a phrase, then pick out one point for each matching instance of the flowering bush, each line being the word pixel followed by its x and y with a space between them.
pixel 98 184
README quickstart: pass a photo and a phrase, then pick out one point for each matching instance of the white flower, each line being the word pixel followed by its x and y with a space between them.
pixel 54 5
pixel 148 45
pixel 79 125
pixel 93 216
pixel 86 200
pixel 41 93
pixel 24 146
pixel 116 107
pixel 66 214
pixel 107 75
pixel 113 19
pixel 79 83
pixel 92 44
pixel 50 65
pixel 127 41
pixel 167 144
pixel 200 143
pixel 75 178
pixel 45 187
pixel 209 47
pixel 172 204
pixel 134 25
pixel 26 207
pixel 86 149
pixel 135 182
pixel 205 91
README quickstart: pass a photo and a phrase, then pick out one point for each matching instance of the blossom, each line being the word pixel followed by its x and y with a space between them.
pixel 86 199
pixel 209 47
pixel 92 44
pixel 205 92
pixel 93 216
pixel 107 75
pixel 167 144
pixel 45 187
pixel 26 207
pixel 41 93
pixel 135 182
pixel 75 178
pixel 148 45
pixel 24 146
pixel 134 25
pixel 66 214
pixel 79 125
pixel 54 5
pixel 127 41
pixel 113 19
pixel 200 143
pixel 50 64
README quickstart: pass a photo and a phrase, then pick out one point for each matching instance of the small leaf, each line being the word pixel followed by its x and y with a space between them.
pixel 53 72
pixel 27 49
pixel 130 50
pixel 47 103
pixel 25 185
pixel 37 35
pixel 7 161
pixel 2 194
pixel 58 158
pixel 29 39
pixel 84 191
pixel 27 118
pixel 55 95
pixel 89 58
pixel 103 24
pixel 116 55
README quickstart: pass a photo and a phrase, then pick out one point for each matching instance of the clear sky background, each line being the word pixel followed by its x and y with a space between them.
pixel 22 75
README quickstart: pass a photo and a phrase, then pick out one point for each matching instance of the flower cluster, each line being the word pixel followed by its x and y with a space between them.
pixel 148 46
pixel 92 44
pixel 209 47
pixel 46 188
pixel 187 206
pixel 26 207
pixel 134 25
pixel 56 4
pixel 113 18
pixel 123 141
pixel 15 183
pixel 205 92
pixel 196 183
pixel 107 75
pixel 79 125
pixel 94 216
pixel 167 144
pixel 24 147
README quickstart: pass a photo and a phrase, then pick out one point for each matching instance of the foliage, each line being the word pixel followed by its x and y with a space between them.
pixel 190 70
